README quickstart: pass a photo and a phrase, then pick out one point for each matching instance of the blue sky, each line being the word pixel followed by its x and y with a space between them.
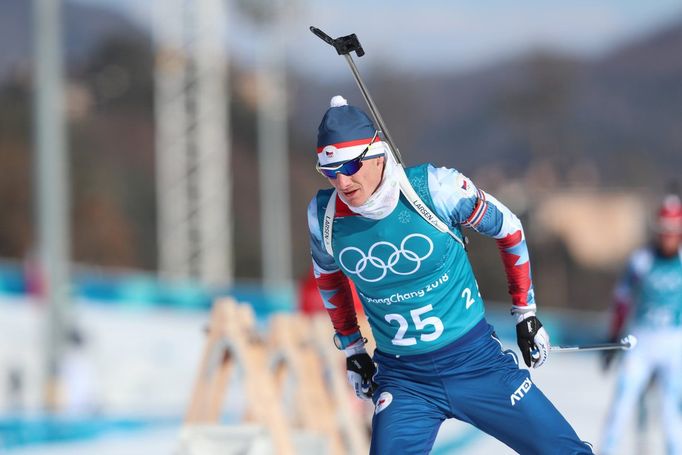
pixel 441 34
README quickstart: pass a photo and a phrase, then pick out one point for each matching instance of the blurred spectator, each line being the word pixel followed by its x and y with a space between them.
pixel 15 389
pixel 649 294
pixel 33 277
pixel 78 378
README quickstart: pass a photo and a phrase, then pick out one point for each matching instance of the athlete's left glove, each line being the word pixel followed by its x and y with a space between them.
pixel 360 370
pixel 532 338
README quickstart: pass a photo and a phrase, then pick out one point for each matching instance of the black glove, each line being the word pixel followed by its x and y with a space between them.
pixel 533 341
pixel 360 370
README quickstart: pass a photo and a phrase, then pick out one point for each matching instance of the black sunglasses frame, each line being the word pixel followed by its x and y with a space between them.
pixel 338 168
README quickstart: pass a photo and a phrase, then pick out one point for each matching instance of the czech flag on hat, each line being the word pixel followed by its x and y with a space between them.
pixel 344 133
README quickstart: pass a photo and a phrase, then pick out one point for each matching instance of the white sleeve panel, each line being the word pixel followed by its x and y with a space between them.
pixel 458 201
pixel 322 261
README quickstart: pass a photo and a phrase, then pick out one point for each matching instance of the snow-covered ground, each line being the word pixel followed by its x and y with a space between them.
pixel 143 363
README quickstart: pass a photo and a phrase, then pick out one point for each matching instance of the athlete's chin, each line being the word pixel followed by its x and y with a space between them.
pixel 355 198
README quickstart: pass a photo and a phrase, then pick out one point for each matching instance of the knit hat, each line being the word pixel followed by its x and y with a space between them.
pixel 670 215
pixel 344 133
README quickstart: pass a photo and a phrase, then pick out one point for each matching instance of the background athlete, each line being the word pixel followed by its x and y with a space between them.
pixel 649 294
pixel 436 355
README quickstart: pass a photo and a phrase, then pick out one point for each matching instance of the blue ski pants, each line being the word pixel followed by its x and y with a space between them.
pixel 472 380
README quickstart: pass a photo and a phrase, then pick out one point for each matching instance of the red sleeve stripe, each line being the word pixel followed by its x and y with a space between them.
pixel 338 299
pixel 479 211
pixel 514 253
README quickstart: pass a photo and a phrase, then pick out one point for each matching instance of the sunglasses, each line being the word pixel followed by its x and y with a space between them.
pixel 347 168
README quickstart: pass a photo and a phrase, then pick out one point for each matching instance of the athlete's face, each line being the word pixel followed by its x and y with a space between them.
pixel 669 242
pixel 357 188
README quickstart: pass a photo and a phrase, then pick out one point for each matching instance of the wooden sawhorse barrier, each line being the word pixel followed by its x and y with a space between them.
pixel 298 353
pixel 323 401
pixel 232 337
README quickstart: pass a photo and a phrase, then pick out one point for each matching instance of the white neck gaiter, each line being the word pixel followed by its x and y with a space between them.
pixel 385 198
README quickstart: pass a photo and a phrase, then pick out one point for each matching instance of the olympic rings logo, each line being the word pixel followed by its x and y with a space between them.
pixel 371 267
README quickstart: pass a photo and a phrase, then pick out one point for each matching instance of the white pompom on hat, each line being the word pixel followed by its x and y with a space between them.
pixel 338 101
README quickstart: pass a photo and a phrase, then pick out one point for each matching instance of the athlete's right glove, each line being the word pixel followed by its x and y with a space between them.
pixel 532 338
pixel 360 370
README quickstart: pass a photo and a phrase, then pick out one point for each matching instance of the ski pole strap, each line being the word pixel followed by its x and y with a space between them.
pixel 423 209
pixel 328 223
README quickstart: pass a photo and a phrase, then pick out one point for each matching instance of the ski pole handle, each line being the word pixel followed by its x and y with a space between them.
pixel 344 45
pixel 322 35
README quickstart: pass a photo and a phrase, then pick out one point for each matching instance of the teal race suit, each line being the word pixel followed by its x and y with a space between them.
pixel 415 282
pixel 654 284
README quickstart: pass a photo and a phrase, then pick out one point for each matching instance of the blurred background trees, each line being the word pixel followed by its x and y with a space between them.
pixel 576 146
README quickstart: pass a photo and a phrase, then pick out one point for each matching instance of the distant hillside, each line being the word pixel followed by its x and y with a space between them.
pixel 618 115
pixel 620 112
pixel 608 122
pixel 84 27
